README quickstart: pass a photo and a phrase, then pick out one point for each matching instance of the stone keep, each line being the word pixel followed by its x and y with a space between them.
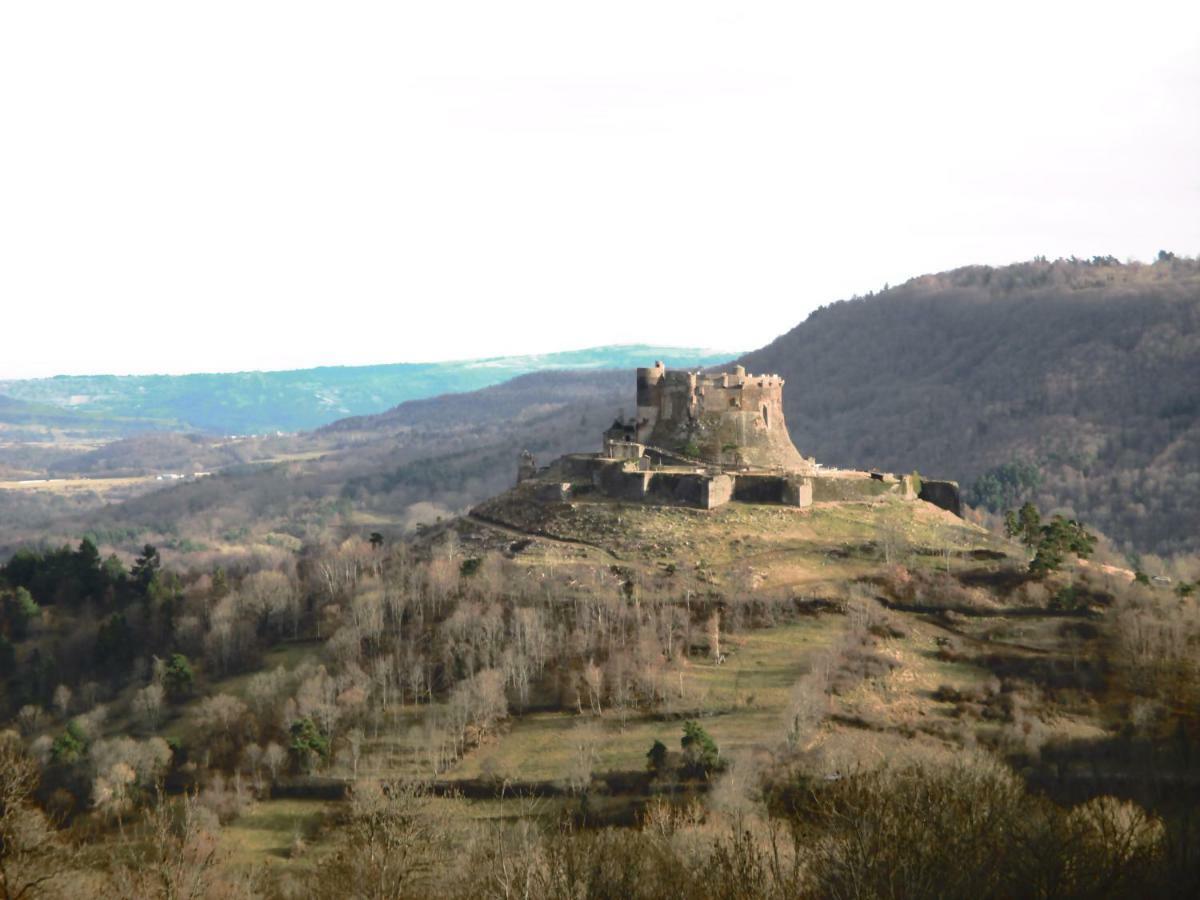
pixel 730 419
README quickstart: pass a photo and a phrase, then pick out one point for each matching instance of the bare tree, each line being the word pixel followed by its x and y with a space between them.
pixel 441 577
pixel 264 691
pixel 584 740
pixel 620 687
pixel 29 719
pixel 181 858
pixel 593 679
pixel 809 702
pixel 354 743
pixel 30 854
pixel 383 681
pixel 367 611
pixel 317 698
pixel 148 703
pixel 62 700
pixel 147 759
pixel 273 758
pixel 266 597
pixel 230 641
pixel 111 792
pixel 226 720
pixel 393 841
pixel 252 761
pixel 713 627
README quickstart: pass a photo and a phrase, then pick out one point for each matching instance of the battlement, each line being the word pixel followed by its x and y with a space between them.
pixel 728 418
pixel 738 378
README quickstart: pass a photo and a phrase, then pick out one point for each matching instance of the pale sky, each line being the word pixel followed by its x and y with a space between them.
pixel 255 185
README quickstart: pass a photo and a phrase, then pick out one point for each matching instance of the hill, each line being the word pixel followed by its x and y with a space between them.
pixel 268 402
pixel 650 688
pixel 322 649
pixel 25 421
pixel 422 459
pixel 1070 383
pixel 1073 383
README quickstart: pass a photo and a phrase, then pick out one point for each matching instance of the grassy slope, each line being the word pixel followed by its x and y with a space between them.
pixel 747 699
pixel 744 703
pixel 815 551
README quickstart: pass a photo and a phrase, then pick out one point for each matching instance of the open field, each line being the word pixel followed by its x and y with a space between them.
pixel 102 486
pixel 267 831
pixel 742 704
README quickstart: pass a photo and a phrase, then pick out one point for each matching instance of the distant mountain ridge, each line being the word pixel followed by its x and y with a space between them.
pixel 23 421
pixel 302 399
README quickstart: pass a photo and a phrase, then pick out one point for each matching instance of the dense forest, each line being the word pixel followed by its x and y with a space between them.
pixel 1071 382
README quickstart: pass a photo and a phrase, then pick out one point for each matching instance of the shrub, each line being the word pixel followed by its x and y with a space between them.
pixel 308 745
pixel 1069 599
pixel 656 759
pixel 700 754
pixel 967 831
pixel 178 677
pixel 947 694
pixel 70 746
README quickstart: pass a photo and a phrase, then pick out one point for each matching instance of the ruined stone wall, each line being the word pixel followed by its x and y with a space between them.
pixel 623 450
pixel 942 493
pixel 798 492
pixel 682 488
pixel 614 481
pixel 789 490
pixel 758 489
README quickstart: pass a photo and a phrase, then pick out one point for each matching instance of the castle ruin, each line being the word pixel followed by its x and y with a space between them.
pixel 704 440
pixel 730 419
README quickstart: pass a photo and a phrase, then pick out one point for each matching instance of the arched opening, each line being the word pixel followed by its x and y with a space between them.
pixel 766 417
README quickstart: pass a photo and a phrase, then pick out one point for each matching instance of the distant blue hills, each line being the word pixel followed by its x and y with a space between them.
pixel 296 400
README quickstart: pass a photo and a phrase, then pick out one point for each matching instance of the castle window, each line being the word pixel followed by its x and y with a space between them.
pixel 766 418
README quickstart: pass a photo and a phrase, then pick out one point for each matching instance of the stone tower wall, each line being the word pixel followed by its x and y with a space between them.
pixel 731 418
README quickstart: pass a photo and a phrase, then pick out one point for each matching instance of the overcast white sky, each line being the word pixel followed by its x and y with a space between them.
pixel 252 185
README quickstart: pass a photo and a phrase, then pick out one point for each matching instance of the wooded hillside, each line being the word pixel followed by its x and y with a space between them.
pixel 1086 372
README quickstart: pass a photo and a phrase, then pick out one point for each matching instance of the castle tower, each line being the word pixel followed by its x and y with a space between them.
pixel 732 419
pixel 649 400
